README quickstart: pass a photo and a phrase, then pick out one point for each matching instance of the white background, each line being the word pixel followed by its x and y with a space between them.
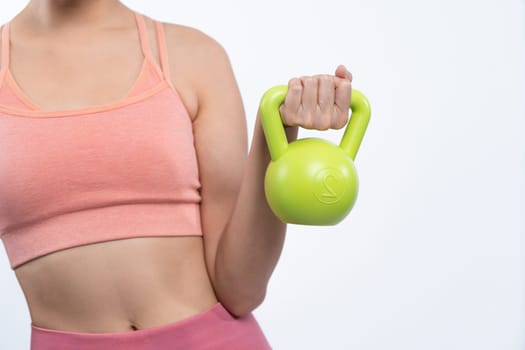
pixel 431 257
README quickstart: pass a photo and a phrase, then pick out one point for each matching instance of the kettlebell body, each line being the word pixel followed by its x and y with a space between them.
pixel 311 181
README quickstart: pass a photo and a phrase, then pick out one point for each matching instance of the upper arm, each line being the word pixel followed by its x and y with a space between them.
pixel 220 135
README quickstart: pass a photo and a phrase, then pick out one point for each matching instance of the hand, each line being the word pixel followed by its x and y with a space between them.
pixel 318 102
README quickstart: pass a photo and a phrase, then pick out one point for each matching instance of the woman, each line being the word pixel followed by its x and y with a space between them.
pixel 130 210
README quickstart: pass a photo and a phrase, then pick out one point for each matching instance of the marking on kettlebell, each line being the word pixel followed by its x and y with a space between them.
pixel 330 193
pixel 330 186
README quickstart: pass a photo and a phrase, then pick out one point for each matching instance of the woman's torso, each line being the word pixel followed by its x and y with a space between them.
pixel 116 285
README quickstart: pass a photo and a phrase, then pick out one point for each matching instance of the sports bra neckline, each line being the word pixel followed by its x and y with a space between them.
pixel 148 64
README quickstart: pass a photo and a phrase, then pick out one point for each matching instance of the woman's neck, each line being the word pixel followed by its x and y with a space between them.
pixel 63 14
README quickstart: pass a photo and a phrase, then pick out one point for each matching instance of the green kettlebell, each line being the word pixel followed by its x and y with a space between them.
pixel 311 181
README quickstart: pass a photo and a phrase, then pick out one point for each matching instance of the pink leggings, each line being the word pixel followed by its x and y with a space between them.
pixel 214 329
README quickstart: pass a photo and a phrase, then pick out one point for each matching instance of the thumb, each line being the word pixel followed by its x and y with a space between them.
pixel 342 72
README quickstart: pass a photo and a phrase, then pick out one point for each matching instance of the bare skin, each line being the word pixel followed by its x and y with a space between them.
pixel 146 282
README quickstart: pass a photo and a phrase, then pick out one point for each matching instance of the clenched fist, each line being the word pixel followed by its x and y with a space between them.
pixel 318 102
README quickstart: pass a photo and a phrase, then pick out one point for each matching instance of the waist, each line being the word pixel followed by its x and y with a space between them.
pixel 118 286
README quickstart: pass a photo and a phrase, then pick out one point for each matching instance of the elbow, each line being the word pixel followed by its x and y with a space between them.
pixel 242 306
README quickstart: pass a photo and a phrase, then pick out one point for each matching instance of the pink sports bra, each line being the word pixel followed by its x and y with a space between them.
pixel 107 172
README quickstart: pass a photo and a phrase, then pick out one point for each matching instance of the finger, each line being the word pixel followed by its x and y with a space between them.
pixel 326 101
pixel 309 101
pixel 343 90
pixel 292 102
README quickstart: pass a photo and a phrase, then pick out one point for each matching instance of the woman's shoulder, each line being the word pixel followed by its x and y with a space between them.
pixel 192 43
pixel 198 63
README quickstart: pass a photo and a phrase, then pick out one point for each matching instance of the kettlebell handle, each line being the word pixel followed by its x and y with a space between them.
pixel 274 129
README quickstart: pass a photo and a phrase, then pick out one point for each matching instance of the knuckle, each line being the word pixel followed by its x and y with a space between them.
pixel 324 126
pixel 322 122
pixel 340 124
pixel 349 75
pixel 307 121
pixel 309 81
pixel 345 84
pixel 285 114
pixel 327 118
pixel 326 78
pixel 294 83
pixel 289 120
pixel 295 89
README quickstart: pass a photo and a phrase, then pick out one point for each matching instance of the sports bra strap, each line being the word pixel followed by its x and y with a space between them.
pixel 143 34
pixel 161 42
pixel 163 50
pixel 5 47
pixel 144 43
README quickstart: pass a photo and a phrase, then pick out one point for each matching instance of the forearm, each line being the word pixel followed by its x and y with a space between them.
pixel 253 240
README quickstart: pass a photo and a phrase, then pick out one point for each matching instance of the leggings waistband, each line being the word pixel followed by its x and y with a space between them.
pixel 214 329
